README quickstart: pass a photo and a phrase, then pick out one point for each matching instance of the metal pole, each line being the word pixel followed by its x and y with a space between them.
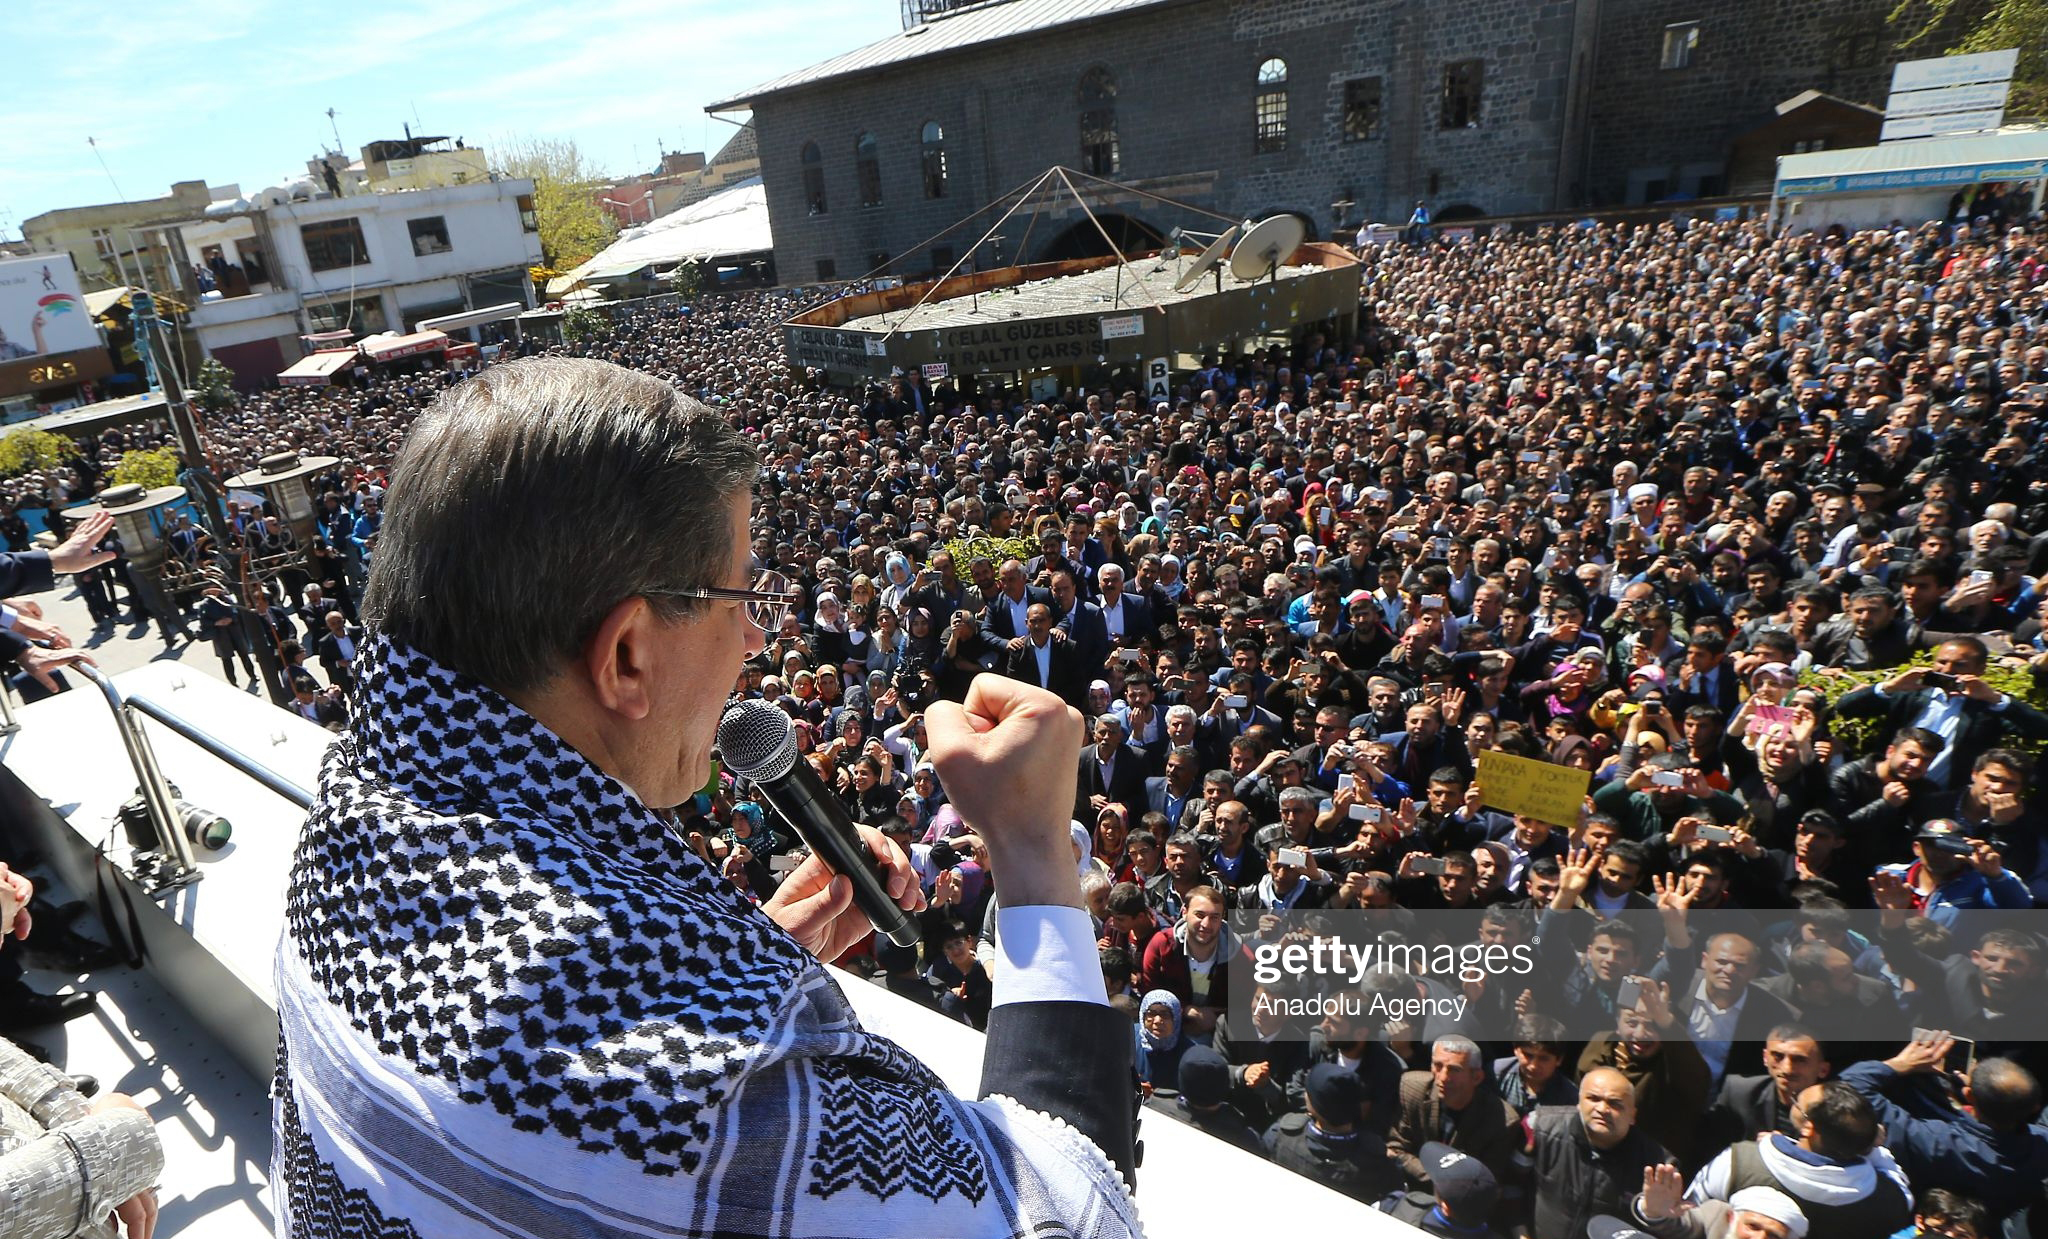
pixel 191 448
pixel 157 800
pixel 8 725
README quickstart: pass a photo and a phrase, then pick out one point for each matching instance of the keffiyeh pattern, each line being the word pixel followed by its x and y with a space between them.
pixel 512 1001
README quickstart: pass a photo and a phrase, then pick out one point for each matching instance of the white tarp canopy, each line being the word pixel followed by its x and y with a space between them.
pixel 732 221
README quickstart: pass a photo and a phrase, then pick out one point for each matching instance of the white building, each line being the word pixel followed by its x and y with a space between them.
pixel 364 263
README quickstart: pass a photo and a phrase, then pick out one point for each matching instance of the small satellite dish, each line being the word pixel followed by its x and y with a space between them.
pixel 1269 243
pixel 1207 259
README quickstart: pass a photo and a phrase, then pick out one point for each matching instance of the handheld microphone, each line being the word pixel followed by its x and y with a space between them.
pixel 757 742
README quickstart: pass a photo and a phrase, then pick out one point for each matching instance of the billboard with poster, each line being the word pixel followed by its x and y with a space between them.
pixel 47 337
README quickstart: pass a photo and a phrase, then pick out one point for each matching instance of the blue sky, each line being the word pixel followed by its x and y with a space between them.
pixel 236 91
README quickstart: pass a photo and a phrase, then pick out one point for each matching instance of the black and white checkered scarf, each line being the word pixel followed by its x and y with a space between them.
pixel 514 1003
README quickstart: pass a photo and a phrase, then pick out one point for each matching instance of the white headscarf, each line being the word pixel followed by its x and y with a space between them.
pixel 1086 842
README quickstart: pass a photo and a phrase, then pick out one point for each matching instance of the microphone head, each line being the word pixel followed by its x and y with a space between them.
pixel 756 740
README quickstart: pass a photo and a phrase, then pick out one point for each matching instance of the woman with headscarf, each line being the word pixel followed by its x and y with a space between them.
pixel 1161 1043
pixel 1783 783
pixel 897 569
pixel 885 650
pixel 829 628
pixel 918 653
pixel 1112 829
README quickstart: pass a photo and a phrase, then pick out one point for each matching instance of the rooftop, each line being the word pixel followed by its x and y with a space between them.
pixel 1081 293
pixel 945 32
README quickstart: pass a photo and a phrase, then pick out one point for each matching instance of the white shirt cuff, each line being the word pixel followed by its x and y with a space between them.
pixel 1046 953
pixel 7 615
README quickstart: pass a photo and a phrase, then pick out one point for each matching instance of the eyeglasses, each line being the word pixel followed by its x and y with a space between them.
pixel 768 602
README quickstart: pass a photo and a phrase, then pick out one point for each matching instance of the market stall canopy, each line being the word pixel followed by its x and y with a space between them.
pixel 317 369
pixel 1927 163
pixel 388 347
pixel 726 224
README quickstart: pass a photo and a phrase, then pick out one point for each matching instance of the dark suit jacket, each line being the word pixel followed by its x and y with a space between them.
pixel 25 572
pixel 1761 1009
pixel 1489 1129
pixel 1084 624
pixel 996 616
pixel 329 653
pixel 1723 693
pixel 1137 615
pixel 1127 786
pixel 1747 1105
pixel 1072 1060
pixel 1155 802
pixel 1982 727
pixel 1064 678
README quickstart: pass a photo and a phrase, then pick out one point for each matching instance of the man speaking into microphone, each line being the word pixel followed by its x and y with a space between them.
pixel 514 1002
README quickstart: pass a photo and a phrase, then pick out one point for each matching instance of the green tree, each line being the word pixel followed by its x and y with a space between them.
pixel 565 192
pixel 581 324
pixel 213 388
pixel 27 449
pixel 147 469
pixel 1959 27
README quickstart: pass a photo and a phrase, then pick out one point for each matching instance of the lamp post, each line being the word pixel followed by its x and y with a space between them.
pixel 137 519
pixel 285 478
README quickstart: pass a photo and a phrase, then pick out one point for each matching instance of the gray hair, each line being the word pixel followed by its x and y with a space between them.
pixel 1464 1047
pixel 531 499
pixel 1289 795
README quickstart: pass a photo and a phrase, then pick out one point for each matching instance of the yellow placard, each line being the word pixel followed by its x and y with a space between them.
pixel 1537 789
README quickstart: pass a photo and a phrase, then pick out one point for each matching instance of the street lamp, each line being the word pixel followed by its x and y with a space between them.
pixel 284 478
pixel 136 518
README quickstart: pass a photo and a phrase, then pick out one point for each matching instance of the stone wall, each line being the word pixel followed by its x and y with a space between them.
pixel 1186 78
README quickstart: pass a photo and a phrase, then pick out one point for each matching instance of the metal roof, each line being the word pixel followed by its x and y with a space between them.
pixel 947 32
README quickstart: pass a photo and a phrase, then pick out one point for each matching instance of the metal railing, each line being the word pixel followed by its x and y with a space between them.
pixel 158 801
pixel 155 790
pixel 226 752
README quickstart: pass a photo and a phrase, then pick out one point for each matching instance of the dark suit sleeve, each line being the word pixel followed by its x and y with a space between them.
pixel 1071 1060
pixel 26 572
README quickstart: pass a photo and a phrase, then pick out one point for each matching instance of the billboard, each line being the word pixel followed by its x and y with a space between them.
pixel 44 326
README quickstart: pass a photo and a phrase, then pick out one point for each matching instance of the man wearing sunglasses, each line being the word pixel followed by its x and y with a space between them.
pixel 513 1001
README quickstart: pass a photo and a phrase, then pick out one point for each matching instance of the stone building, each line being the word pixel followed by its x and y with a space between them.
pixel 1335 110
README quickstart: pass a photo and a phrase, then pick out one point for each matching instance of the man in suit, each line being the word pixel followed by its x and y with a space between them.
pixel 1454 1101
pixel 1082 621
pixel 1112 772
pixel 1703 676
pixel 32 572
pixel 1178 792
pixel 1751 1105
pixel 1710 990
pixel 1038 660
pixel 1425 745
pixel 1959 706
pixel 1126 616
pixel 337 649
pixel 1005 616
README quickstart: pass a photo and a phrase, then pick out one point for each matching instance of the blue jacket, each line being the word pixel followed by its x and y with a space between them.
pixel 1968 889
pixel 1938 1147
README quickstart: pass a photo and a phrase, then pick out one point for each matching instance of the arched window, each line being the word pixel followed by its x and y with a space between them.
pixel 932 159
pixel 1269 110
pixel 814 178
pixel 867 170
pixel 1099 155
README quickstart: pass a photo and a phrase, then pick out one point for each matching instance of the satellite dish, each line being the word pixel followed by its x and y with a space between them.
pixel 1269 243
pixel 1207 259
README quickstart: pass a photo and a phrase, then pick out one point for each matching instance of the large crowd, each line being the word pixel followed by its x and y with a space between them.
pixel 1747 528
